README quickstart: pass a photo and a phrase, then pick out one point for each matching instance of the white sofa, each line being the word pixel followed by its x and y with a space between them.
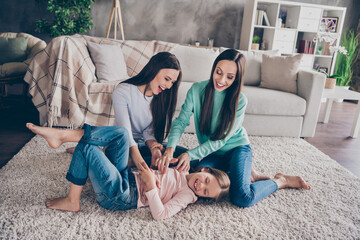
pixel 269 112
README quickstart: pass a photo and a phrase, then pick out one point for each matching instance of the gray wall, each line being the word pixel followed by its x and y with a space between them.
pixel 180 21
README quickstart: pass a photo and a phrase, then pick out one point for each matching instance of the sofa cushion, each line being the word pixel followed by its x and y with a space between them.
pixel 109 62
pixel 183 89
pixel 13 49
pixel 280 73
pixel 253 64
pixel 263 101
pixel 196 63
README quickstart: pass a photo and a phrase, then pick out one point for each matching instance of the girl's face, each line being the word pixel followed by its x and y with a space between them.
pixel 224 75
pixel 162 81
pixel 204 184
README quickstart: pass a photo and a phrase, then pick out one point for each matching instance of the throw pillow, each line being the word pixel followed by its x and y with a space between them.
pixel 196 63
pixel 13 49
pixel 253 64
pixel 109 62
pixel 280 73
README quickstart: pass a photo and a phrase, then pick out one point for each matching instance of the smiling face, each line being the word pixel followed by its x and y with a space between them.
pixel 224 75
pixel 204 184
pixel 162 81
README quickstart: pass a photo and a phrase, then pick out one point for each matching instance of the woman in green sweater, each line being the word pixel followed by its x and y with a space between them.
pixel 218 106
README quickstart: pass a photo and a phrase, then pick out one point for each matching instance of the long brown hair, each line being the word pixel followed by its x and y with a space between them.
pixel 230 104
pixel 222 178
pixel 162 105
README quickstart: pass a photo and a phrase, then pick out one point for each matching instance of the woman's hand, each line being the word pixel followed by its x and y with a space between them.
pixel 155 154
pixel 148 177
pixel 163 163
pixel 183 162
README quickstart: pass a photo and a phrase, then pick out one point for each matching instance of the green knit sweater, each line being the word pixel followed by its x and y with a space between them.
pixel 237 136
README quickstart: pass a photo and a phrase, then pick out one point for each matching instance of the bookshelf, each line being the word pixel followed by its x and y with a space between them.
pixel 299 25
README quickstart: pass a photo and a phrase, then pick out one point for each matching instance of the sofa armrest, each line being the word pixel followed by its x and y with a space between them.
pixel 310 87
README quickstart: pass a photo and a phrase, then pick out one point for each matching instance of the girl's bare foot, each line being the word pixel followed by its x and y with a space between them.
pixel 63 203
pixel 257 177
pixel 51 135
pixel 287 181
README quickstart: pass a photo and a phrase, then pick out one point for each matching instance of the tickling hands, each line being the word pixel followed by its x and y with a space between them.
pixel 163 163
pixel 156 152
pixel 183 162
pixel 148 177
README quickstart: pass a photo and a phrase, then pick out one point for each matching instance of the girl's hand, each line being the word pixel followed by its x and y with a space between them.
pixel 183 163
pixel 163 163
pixel 148 177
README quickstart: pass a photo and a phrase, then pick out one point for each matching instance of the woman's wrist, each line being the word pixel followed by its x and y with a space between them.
pixel 169 151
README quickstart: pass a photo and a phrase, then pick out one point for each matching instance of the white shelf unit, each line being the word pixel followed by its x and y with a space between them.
pixel 303 22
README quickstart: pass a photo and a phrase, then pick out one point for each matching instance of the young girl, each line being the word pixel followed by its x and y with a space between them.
pixel 102 154
pixel 218 106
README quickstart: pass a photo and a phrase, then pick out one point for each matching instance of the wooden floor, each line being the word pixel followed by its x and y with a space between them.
pixel 331 138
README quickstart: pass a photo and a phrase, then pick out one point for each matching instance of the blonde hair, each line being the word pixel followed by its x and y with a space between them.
pixel 222 178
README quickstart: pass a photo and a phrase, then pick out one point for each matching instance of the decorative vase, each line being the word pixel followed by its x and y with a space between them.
pixel 255 46
pixel 327 48
pixel 330 83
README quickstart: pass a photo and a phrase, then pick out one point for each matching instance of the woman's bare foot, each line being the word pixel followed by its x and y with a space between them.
pixel 51 135
pixel 287 181
pixel 257 177
pixel 63 203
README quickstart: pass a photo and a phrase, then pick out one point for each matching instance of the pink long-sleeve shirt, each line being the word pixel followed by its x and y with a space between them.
pixel 174 194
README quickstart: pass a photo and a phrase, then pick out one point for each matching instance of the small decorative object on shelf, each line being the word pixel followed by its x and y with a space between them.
pixel 197 43
pixel 328 24
pixel 210 42
pixel 319 50
pixel 255 43
pixel 282 16
pixel 263 45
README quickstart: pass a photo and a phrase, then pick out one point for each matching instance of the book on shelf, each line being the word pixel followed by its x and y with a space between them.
pixel 267 22
pixel 306 46
pixel 261 17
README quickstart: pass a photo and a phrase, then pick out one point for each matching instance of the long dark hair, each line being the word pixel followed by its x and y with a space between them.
pixel 230 104
pixel 162 105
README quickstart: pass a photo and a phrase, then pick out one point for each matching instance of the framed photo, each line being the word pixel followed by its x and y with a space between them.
pixel 328 24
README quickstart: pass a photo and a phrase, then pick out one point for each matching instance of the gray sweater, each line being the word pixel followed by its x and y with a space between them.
pixel 132 111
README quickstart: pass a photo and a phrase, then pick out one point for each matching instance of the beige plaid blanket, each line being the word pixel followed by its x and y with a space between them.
pixel 64 86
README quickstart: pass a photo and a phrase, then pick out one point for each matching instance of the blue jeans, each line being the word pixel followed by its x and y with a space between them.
pixel 113 182
pixel 237 163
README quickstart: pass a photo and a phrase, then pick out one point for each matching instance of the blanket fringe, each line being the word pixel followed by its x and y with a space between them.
pixel 53 115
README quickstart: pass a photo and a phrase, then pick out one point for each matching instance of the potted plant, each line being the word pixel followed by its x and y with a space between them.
pixel 70 17
pixel 345 61
pixel 255 43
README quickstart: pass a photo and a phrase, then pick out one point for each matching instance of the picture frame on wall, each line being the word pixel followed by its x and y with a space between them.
pixel 328 24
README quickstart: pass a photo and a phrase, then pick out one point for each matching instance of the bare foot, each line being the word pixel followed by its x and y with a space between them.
pixel 287 181
pixel 63 203
pixel 51 135
pixel 257 177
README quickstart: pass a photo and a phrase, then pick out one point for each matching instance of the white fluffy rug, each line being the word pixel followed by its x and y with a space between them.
pixel 330 210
